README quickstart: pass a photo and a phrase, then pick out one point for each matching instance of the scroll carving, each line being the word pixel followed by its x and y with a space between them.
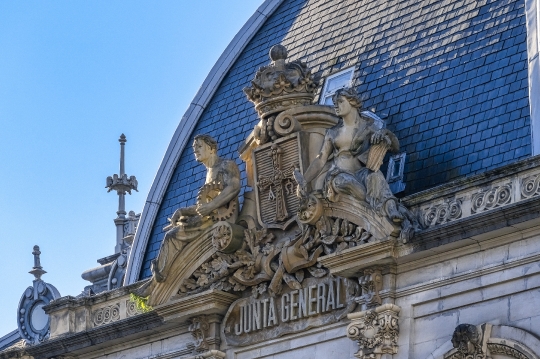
pixel 376 331
pixel 131 309
pixel 199 330
pixel 106 315
pixel 371 283
pixel 445 212
pixel 530 186
pixel 492 198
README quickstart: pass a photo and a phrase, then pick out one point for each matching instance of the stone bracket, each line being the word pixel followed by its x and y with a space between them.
pixel 376 331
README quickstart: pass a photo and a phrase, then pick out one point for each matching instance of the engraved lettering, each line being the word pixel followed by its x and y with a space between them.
pixel 293 305
pixel 312 300
pixel 321 297
pixel 272 318
pixel 265 312
pixel 331 301
pixel 303 304
pixel 285 308
pixel 239 327
pixel 256 311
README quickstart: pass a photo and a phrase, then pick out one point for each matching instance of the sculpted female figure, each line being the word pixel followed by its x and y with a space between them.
pixel 356 147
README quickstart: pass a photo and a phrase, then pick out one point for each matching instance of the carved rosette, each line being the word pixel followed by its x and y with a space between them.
pixel 131 309
pixel 530 186
pixel 106 315
pixel 376 331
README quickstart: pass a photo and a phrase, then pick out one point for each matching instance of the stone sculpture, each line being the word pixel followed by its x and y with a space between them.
pixel 467 339
pixel 356 147
pixel 217 201
pixel 305 205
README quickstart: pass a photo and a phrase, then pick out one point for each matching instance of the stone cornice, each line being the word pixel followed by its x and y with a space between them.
pixel 209 302
pixel 460 184
pixel 73 343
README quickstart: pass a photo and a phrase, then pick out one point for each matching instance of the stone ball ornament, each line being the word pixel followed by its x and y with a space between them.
pixel 32 321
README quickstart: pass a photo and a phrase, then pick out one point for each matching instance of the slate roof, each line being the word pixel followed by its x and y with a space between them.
pixel 449 77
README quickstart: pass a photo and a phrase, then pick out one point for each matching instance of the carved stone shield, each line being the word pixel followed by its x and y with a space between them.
pixel 275 186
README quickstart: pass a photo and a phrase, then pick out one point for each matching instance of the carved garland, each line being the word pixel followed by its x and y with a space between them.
pixel 265 264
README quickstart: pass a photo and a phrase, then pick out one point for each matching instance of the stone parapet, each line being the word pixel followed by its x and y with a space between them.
pixel 475 195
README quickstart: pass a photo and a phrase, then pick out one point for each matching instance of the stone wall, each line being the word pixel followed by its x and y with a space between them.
pixel 495 281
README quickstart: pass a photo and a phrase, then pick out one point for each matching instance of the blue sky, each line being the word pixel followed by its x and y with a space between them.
pixel 74 75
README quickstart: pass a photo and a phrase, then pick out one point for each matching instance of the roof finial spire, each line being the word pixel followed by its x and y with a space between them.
pixel 37 270
pixel 122 184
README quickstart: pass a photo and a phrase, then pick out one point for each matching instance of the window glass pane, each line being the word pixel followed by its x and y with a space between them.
pixel 338 82
pixel 328 101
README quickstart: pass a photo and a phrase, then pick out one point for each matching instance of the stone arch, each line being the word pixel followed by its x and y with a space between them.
pixel 501 341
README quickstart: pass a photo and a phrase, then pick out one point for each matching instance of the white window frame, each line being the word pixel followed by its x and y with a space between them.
pixel 532 10
pixel 325 93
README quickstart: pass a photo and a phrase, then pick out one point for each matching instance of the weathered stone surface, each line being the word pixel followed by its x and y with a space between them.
pixel 318 302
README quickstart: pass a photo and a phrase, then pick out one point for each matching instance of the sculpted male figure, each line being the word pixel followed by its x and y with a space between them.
pixel 217 200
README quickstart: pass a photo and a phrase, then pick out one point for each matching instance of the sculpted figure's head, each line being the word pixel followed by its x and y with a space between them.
pixel 204 147
pixel 467 339
pixel 346 100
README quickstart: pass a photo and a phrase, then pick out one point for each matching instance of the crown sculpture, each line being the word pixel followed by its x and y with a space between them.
pixel 320 214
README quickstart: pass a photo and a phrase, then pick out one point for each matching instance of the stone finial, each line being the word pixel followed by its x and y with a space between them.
pixel 37 270
pixel 278 52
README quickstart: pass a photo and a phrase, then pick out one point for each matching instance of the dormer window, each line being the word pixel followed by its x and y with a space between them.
pixel 395 172
pixel 335 82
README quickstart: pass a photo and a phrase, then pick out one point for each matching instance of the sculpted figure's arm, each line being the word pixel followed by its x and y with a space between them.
pixel 317 165
pixel 231 179
pixel 184 211
pixel 389 137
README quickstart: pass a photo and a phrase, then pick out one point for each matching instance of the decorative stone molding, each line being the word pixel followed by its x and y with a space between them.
pixel 447 211
pixel 33 322
pixel 478 194
pixel 199 329
pixel 132 309
pixel 530 186
pixel 376 331
pixel 495 197
pixel 106 315
pixel 506 350
pixel 469 342
pixel 486 341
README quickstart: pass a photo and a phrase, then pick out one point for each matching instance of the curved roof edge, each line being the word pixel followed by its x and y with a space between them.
pixel 184 130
